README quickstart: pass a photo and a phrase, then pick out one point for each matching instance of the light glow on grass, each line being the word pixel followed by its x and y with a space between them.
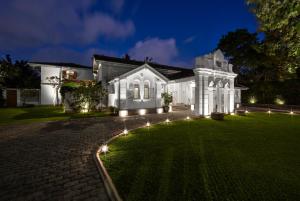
pixel 104 148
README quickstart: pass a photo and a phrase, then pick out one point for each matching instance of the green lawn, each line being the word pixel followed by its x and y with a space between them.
pixel 39 114
pixel 256 157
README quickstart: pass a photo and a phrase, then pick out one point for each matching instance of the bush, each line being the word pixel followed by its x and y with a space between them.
pixel 85 96
pixel 287 91
pixel 217 116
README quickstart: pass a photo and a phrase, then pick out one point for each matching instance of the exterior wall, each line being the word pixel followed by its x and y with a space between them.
pixel 183 91
pixel 107 71
pixel 124 87
pixel 48 90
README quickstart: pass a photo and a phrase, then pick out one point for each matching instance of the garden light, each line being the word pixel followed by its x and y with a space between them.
pixel 148 124
pixel 142 112
pixel 269 111
pixel 104 148
pixel 246 111
pixel 167 120
pixel 188 118
pixel 125 132
pixel 232 113
pixel 291 112
pixel 252 100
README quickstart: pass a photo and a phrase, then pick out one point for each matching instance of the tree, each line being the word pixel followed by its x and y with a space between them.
pixel 240 47
pixel 279 20
pixel 18 74
pixel 244 51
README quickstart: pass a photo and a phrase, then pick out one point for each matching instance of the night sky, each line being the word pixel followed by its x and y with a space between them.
pixel 172 32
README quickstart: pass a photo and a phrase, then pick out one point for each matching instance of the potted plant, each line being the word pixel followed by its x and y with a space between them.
pixel 168 98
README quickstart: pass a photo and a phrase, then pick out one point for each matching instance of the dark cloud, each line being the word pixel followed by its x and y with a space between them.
pixel 36 23
pixel 161 50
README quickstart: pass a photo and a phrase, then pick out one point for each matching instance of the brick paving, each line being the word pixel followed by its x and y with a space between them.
pixel 54 160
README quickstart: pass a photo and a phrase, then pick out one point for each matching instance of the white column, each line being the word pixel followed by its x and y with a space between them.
pixel 201 95
pixel 231 96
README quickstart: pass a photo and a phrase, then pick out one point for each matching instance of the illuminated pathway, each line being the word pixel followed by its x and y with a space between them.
pixel 53 161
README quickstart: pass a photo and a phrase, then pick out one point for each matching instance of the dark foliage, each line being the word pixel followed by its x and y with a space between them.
pixel 18 74
pixel 267 92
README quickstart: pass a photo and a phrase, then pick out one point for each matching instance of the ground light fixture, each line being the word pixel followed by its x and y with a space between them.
pixel 148 124
pixel 232 113
pixel 167 120
pixel 104 148
pixel 291 112
pixel 246 111
pixel 188 118
pixel 269 111
pixel 125 132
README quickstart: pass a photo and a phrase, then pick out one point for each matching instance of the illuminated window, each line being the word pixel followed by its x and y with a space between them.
pixel 146 91
pixel 69 75
pixel 136 91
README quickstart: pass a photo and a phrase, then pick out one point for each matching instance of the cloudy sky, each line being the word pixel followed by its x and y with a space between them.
pixel 171 32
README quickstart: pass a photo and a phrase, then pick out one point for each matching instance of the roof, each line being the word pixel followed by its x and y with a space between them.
pixel 142 67
pixel 61 64
pixel 171 72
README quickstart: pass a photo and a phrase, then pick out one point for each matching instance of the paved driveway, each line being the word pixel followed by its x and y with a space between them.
pixel 54 160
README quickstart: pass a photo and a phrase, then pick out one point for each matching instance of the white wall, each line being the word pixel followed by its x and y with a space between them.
pixel 157 86
pixel 182 91
pixel 48 89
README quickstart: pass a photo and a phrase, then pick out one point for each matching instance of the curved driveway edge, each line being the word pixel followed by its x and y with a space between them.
pixel 54 160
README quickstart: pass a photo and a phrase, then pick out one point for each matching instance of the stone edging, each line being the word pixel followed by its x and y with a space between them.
pixel 110 187
pixel 111 190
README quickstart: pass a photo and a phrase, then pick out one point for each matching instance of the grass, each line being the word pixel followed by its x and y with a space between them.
pixel 40 114
pixel 242 158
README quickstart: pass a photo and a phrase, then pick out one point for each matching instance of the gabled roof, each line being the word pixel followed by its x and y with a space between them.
pixel 171 72
pixel 61 64
pixel 141 68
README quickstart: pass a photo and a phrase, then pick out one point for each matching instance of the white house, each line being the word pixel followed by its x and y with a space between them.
pixel 136 86
pixel 59 71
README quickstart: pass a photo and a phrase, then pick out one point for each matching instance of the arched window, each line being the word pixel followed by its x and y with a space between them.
pixel 136 91
pixel 146 90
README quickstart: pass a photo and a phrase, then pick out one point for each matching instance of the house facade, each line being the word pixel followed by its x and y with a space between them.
pixel 137 86
pixel 53 74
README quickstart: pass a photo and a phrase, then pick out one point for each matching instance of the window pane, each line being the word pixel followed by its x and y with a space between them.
pixel 146 92
pixel 136 92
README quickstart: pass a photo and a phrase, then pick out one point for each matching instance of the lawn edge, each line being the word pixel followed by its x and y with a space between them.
pixel 110 187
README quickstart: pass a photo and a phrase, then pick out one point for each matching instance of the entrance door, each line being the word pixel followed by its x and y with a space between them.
pixel 11 98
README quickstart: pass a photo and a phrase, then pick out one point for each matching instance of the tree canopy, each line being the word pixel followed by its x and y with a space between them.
pixel 279 20
pixel 18 74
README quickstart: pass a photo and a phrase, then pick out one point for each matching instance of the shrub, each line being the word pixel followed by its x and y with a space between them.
pixel 84 96
pixel 217 116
